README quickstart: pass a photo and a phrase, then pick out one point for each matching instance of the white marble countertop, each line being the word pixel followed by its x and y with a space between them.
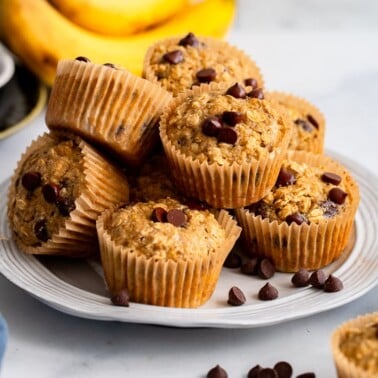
pixel 335 69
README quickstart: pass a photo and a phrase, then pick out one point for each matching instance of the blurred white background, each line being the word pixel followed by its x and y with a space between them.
pixel 270 15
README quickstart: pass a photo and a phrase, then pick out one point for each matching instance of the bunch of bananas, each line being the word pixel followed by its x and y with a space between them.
pixel 41 32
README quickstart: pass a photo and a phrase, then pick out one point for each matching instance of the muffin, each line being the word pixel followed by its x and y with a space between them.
pixel 355 347
pixel 224 147
pixel 107 105
pixel 153 181
pixel 308 122
pixel 59 188
pixel 164 253
pixel 305 221
pixel 180 63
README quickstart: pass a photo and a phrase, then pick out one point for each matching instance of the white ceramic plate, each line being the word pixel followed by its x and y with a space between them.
pixel 77 288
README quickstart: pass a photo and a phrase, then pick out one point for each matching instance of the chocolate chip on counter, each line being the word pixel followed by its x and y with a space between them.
pixel 65 205
pixel 306 375
pixel 176 217
pixel 227 135
pixel 217 372
pixel 110 65
pixel 211 126
pixel 317 279
pixel 283 369
pixel 233 260
pixel 337 195
pixel 268 292
pixel 256 93
pixel 300 278
pixel 266 269
pixel 267 373
pixel 313 121
pixel 304 124
pixel 31 180
pixel 285 177
pixel 332 284
pixel 121 298
pixel 297 218
pixel 236 91
pixel 50 192
pixel 249 266
pixel 232 118
pixel 40 230
pixel 236 297
pixel 189 40
pixel 330 208
pixel 206 75
pixel 253 372
pixel 331 178
pixel 82 59
pixel 174 57
pixel 251 82
pixel 159 215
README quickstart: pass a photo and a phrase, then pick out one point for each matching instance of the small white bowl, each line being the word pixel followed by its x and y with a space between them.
pixel 6 66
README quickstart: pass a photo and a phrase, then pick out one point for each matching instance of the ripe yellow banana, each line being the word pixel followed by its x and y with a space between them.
pixel 118 17
pixel 36 32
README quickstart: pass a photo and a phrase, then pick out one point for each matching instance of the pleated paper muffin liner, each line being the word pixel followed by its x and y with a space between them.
pixel 311 246
pixel 222 186
pixel 250 68
pixel 316 145
pixel 105 186
pixel 172 283
pixel 344 366
pixel 108 106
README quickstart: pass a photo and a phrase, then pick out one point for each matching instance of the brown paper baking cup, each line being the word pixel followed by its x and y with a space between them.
pixel 312 246
pixel 316 145
pixel 345 367
pixel 181 283
pixel 227 186
pixel 108 106
pixel 105 186
pixel 250 68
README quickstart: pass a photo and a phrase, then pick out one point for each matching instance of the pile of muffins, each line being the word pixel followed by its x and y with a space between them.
pixel 150 173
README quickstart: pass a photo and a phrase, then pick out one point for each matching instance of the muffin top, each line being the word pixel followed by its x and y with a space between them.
pixel 153 181
pixel 360 345
pixel 224 126
pixel 308 123
pixel 165 230
pixel 304 194
pixel 49 181
pixel 179 63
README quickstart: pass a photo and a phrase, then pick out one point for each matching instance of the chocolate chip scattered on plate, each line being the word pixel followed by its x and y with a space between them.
pixel 301 278
pixel 121 298
pixel 236 297
pixel 317 279
pixel 217 372
pixel 268 292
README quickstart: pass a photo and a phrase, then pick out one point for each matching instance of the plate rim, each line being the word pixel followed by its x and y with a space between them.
pixel 205 317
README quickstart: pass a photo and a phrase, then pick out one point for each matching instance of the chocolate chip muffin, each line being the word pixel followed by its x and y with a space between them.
pixel 224 145
pixel 178 64
pixel 60 186
pixel 308 122
pixel 355 347
pixel 153 181
pixel 163 252
pixel 306 219
pixel 107 105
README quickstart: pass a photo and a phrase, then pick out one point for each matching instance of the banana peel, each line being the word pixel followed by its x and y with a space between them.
pixel 40 36
pixel 118 17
